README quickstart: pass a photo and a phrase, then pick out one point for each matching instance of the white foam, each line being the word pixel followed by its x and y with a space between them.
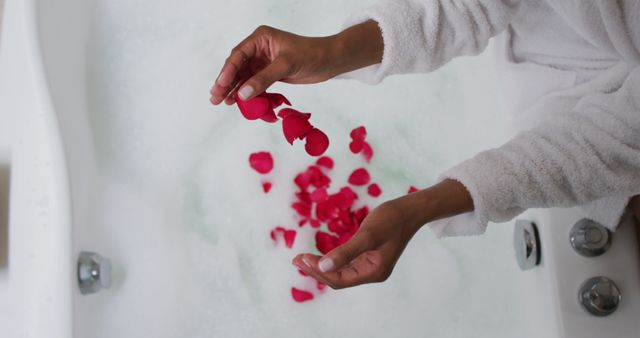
pixel 182 215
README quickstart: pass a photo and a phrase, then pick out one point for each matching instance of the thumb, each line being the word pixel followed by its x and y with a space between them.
pixel 345 253
pixel 257 84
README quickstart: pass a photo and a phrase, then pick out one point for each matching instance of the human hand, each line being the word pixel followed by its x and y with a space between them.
pixel 371 254
pixel 269 55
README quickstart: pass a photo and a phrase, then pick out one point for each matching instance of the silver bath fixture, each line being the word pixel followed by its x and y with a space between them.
pixel 94 272
pixel 600 296
pixel 526 244
pixel 589 238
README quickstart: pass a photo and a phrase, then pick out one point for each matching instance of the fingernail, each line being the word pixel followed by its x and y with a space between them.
pixel 325 264
pixel 219 78
pixel 306 262
pixel 245 92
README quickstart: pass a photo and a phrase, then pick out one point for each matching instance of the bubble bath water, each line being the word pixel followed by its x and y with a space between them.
pixel 184 217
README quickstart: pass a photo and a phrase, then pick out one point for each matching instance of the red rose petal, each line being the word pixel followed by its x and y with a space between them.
pixel 359 176
pixel 361 214
pixel 289 238
pixel 302 180
pixel 302 273
pixel 338 227
pixel 367 151
pixel 275 232
pixel 288 235
pixel 269 116
pixel 303 197
pixel 374 190
pixel 344 238
pixel 325 161
pixel 314 223
pixel 261 162
pixel 276 99
pixel 358 133
pixel 317 142
pixel 301 295
pixel 412 189
pixel 266 187
pixel 326 242
pixel 295 125
pixel 356 146
pixel 344 198
pixel 303 209
pixel 326 210
pixel 253 109
pixel 319 195
pixel 284 112
pixel 320 286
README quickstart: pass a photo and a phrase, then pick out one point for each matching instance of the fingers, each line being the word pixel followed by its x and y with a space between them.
pixel 233 66
pixel 347 252
pixel 257 84
pixel 366 268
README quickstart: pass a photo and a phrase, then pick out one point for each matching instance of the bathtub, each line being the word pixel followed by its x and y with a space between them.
pixel 172 278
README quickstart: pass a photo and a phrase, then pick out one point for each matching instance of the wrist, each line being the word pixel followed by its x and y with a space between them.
pixel 445 199
pixel 356 47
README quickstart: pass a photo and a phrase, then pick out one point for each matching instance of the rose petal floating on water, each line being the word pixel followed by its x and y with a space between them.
pixel 275 231
pixel 317 142
pixel 314 223
pixel 301 295
pixel 261 162
pixel 344 198
pixel 303 209
pixel 359 176
pixel 356 146
pixel 266 187
pixel 361 214
pixel 412 189
pixel 326 242
pixel 320 286
pixel 319 195
pixel 359 133
pixel 289 238
pixel 288 235
pixel 325 161
pixel 374 190
pixel 367 151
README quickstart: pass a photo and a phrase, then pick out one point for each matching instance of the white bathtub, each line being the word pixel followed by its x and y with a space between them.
pixel 55 195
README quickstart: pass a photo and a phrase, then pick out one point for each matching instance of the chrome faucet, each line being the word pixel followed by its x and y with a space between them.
pixel 94 272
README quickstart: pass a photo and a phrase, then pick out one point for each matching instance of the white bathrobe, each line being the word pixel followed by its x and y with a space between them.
pixel 572 70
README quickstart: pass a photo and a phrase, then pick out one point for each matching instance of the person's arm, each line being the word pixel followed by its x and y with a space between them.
pixel 591 154
pixel 400 36
pixel 588 156
pixel 269 55
pixel 423 35
pixel 370 255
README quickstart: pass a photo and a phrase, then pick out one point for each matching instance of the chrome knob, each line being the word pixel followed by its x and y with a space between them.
pixel 600 296
pixel 527 244
pixel 94 272
pixel 589 238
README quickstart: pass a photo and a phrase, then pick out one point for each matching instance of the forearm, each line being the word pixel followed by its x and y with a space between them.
pixel 356 47
pixel 444 199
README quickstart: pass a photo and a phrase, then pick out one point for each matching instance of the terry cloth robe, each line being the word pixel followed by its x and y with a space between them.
pixel 572 69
